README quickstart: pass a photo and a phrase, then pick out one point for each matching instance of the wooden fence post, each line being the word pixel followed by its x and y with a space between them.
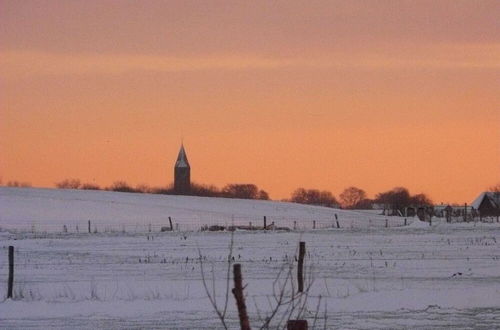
pixel 265 223
pixel 89 227
pixel 338 224
pixel 314 224
pixel 297 325
pixel 11 272
pixel 386 223
pixel 240 298
pixel 171 226
pixel 406 221
pixel 300 268
pixel 295 225
pixel 465 212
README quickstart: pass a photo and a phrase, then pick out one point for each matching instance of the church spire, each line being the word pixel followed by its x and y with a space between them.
pixel 182 160
pixel 182 173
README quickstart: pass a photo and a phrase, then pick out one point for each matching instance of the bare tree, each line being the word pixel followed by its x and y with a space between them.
pixel 314 197
pixel 351 197
pixel 212 295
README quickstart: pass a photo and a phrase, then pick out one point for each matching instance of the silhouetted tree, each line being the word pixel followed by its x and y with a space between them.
pixel 399 198
pixel 263 195
pixel 351 197
pixel 420 200
pixel 244 191
pixel 396 199
pixel 313 197
pixel 365 204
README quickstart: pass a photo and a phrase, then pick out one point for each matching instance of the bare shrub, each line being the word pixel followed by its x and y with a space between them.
pixel 90 186
pixel 68 184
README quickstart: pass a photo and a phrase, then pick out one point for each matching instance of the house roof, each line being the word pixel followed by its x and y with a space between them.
pixel 182 160
pixel 493 197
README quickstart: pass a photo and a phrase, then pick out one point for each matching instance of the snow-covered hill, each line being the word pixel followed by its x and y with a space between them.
pixel 50 209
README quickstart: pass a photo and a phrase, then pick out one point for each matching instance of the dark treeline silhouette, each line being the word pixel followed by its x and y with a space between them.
pixel 314 197
pixel 395 200
pixel 399 198
pixel 234 190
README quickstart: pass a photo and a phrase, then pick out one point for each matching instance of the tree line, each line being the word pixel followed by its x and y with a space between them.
pixel 395 200
pixel 233 190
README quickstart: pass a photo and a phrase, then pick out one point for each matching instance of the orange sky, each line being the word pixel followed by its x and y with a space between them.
pixel 283 94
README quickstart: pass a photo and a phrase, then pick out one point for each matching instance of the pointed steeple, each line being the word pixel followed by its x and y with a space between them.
pixel 182 160
pixel 182 173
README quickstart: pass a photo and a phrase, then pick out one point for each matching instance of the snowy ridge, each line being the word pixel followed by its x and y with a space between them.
pixel 46 208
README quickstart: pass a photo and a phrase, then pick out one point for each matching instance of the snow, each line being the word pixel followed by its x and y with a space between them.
pixel 51 209
pixel 418 224
pixel 368 276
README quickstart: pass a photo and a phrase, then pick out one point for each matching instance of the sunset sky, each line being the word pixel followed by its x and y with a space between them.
pixel 283 94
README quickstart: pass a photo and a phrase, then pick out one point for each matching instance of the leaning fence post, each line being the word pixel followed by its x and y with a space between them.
pixel 11 272
pixel 240 298
pixel 171 226
pixel 300 268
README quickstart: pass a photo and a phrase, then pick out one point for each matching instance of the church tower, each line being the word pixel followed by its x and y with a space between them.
pixel 182 173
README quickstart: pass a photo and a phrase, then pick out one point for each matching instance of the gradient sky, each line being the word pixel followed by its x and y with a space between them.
pixel 283 94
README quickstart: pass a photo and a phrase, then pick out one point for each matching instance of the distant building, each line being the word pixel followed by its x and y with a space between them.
pixel 182 173
pixel 488 204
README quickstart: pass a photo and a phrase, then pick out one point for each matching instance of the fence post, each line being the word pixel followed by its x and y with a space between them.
pixel 295 225
pixel 297 325
pixel 265 223
pixel 314 224
pixel 171 226
pixel 240 298
pixel 11 272
pixel 89 227
pixel 338 224
pixel 465 212
pixel 300 269
pixel 386 223
pixel 406 221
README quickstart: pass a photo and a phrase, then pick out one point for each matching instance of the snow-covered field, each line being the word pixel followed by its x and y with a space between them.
pixel 368 276
pixel 51 209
